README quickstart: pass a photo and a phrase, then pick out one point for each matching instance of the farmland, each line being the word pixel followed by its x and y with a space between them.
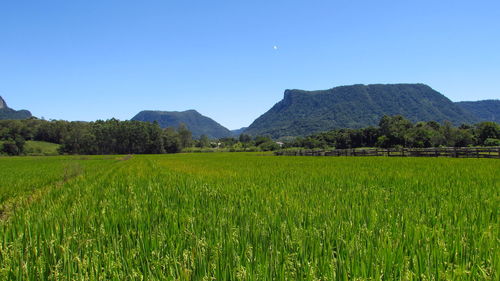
pixel 245 216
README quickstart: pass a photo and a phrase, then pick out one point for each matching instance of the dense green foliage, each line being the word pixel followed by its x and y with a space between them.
pixel 40 137
pixel 302 113
pixel 249 217
pixel 397 131
pixel 9 113
pixel 195 122
pixel 244 143
pixel 485 110
pixel 99 137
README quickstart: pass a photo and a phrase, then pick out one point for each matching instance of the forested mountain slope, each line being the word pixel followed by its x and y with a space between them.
pixel 302 113
pixel 198 124
pixel 485 110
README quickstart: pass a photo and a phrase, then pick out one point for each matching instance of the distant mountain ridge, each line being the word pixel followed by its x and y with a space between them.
pixel 485 110
pixel 302 112
pixel 238 132
pixel 9 113
pixel 198 124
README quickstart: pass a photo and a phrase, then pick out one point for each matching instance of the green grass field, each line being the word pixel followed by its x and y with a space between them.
pixel 38 148
pixel 41 148
pixel 243 216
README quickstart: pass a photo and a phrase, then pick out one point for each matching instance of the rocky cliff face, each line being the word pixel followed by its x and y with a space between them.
pixel 3 104
pixel 9 113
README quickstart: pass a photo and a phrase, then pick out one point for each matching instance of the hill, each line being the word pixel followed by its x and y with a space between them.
pixel 302 113
pixel 238 132
pixel 7 113
pixel 485 110
pixel 194 121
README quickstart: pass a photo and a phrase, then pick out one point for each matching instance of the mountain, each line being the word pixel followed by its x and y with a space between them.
pixel 485 110
pixel 9 113
pixel 302 113
pixel 194 121
pixel 237 132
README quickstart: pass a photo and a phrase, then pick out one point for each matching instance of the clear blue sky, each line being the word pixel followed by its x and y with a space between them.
pixel 88 60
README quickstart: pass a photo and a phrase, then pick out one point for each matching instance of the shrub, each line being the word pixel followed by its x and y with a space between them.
pixel 492 142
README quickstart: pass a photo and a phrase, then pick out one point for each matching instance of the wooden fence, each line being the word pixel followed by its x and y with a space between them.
pixel 457 152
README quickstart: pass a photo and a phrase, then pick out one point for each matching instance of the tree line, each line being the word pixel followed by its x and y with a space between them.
pixel 242 143
pixel 99 137
pixel 118 137
pixel 136 137
pixel 397 131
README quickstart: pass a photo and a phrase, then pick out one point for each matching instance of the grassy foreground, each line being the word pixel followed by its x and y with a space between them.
pixel 249 217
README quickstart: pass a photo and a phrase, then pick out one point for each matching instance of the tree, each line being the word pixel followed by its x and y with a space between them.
pixel 261 139
pixel 312 142
pixel 492 142
pixel 171 141
pixel 464 138
pixel 342 139
pixel 486 130
pixel 383 141
pixel 449 134
pixel 204 141
pixel 370 136
pixel 244 138
pixel 419 136
pixel 227 142
pixel 53 131
pixel 269 146
pixel 79 140
pixel 185 136
pixel 395 129
pixel 155 139
pixel 14 147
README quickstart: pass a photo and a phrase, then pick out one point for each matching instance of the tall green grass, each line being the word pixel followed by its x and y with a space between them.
pixel 253 217
pixel 38 148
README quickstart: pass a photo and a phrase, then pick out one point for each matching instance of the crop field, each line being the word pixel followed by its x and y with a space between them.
pixel 247 216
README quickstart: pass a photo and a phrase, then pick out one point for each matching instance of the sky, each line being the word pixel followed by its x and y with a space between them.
pixel 232 60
